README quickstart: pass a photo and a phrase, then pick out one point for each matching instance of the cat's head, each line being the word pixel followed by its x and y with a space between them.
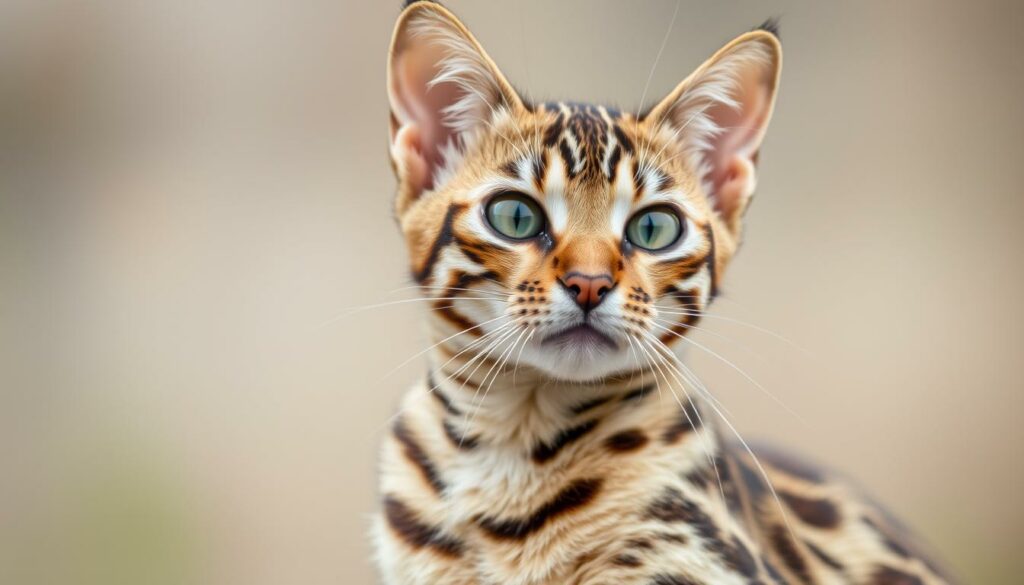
pixel 583 238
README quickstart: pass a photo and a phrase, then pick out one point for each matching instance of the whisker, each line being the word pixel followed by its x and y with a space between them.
pixel 441 369
pixel 501 295
pixel 486 355
pixel 757 462
pixel 704 315
pixel 657 59
pixel 502 359
pixel 712 333
pixel 515 371
pixel 355 310
pixel 734 367
pixel 446 339
pixel 704 434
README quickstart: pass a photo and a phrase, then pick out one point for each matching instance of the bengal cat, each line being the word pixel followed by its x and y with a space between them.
pixel 565 250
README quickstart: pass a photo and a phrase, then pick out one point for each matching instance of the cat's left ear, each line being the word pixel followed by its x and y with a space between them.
pixel 443 89
pixel 719 115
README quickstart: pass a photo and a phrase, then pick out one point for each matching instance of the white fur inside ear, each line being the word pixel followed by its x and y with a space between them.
pixel 459 64
pixel 719 117
pixel 442 84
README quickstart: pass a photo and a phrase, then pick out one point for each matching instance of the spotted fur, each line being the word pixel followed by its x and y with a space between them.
pixel 597 460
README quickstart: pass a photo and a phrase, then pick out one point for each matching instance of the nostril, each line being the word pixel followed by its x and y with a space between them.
pixel 576 290
pixel 602 291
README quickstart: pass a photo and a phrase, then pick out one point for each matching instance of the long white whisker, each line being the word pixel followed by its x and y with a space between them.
pixel 673 324
pixel 445 340
pixel 485 355
pixel 757 462
pixel 664 41
pixel 760 469
pixel 703 315
pixel 704 434
pixel 519 357
pixel 502 359
pixel 437 385
pixel 354 310
pixel 736 368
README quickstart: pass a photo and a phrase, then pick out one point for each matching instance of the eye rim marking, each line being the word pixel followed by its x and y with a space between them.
pixel 672 210
pixel 515 193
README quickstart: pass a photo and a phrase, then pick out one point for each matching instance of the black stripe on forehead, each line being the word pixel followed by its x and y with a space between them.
pixel 591 128
pixel 540 169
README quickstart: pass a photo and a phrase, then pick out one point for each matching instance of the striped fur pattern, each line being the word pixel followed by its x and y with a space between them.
pixel 530 456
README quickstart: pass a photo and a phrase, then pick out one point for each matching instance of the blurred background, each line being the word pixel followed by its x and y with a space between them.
pixel 189 191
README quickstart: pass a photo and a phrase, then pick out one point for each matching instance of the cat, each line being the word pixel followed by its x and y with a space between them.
pixel 565 251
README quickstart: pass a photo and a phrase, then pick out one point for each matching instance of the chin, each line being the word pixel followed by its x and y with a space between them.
pixel 580 362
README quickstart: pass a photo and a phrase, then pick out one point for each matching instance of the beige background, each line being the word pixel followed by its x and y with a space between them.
pixel 190 190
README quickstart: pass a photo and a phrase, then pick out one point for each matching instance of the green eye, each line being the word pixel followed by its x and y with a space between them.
pixel 515 215
pixel 654 228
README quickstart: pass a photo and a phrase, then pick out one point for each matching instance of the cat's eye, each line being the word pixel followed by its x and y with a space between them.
pixel 654 228
pixel 515 215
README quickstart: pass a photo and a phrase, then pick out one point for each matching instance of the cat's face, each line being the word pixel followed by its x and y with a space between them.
pixel 582 239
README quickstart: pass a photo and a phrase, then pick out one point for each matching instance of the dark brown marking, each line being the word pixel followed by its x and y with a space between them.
pixel 568 158
pixel 511 169
pixel 417 456
pixel 672 506
pixel 627 560
pixel 544 452
pixel 824 557
pixel 623 141
pixel 540 169
pixel 687 420
pixel 458 438
pixel 463 382
pixel 406 524
pixel 626 441
pixel 787 551
pixel 448 313
pixel 613 164
pixel 701 477
pixel 441 397
pixel 463 280
pixel 637 394
pixel 590 404
pixel 638 181
pixel 639 544
pixel 816 512
pixel 554 131
pixel 671 537
pixel 737 556
pixel 665 579
pixel 712 259
pixel 576 495
pixel 444 237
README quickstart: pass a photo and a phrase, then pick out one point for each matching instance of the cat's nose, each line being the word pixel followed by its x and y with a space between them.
pixel 586 289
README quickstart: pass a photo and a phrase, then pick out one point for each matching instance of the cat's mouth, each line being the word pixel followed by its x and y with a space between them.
pixel 582 335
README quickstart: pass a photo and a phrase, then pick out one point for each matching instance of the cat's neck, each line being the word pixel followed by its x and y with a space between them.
pixel 524 410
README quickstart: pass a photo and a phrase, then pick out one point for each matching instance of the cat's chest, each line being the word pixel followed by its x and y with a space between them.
pixel 589 518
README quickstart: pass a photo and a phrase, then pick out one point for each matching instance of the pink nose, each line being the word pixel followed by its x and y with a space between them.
pixel 588 291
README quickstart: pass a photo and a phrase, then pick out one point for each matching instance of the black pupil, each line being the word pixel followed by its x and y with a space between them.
pixel 648 227
pixel 519 218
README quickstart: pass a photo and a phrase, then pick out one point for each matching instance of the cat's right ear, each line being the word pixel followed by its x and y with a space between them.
pixel 443 90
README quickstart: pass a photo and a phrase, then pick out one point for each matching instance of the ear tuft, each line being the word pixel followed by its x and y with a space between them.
pixel 771 25
pixel 408 3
